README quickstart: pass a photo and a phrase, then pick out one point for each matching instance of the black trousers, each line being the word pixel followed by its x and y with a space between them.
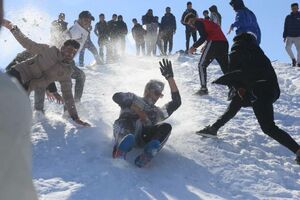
pixel 159 132
pixel 263 110
pixel 188 35
pixel 213 50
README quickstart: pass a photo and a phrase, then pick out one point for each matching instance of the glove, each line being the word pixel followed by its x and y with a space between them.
pixel 166 68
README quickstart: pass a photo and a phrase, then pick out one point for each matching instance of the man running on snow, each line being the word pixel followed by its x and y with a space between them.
pixel 253 83
pixel 216 47
pixel 139 122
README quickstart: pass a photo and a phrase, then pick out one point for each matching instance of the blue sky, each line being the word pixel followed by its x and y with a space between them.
pixel 270 15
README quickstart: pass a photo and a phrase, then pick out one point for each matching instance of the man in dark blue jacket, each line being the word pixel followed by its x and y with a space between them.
pixel 189 31
pixel 168 29
pixel 291 33
pixel 245 20
pixel 253 83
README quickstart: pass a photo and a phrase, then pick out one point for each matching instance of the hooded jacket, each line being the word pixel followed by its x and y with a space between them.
pixel 292 25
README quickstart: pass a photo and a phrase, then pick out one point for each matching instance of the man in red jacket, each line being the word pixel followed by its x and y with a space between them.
pixel 216 47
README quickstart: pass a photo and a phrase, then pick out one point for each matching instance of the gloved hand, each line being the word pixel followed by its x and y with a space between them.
pixel 166 68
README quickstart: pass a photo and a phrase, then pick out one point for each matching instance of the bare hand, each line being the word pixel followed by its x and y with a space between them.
pixel 7 24
pixel 82 123
pixel 192 50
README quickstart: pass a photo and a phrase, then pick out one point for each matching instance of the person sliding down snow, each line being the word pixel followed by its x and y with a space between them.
pixel 139 122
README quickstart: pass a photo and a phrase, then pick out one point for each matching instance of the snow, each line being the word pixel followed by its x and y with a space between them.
pixel 75 163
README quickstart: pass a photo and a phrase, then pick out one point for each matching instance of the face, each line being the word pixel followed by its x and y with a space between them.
pixel 295 9
pixel 68 52
pixel 189 6
pixel 168 10
pixel 114 18
pixel 85 22
pixel 102 18
pixel 153 95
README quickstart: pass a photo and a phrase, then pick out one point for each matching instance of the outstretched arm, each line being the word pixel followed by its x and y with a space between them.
pixel 28 44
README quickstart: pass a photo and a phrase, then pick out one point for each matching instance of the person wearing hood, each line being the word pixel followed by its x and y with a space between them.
pixel 253 83
pixel 167 30
pixel 189 31
pixel 291 34
pixel 215 16
pixel 245 20
pixel 140 123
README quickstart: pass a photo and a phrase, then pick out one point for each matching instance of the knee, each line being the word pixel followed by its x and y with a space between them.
pixel 269 128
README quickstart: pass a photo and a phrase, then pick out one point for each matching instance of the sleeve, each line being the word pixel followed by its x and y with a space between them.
pixel 96 30
pixel 182 19
pixel 66 89
pixel 28 44
pixel 285 27
pixel 175 27
pixel 173 105
pixel 202 34
pixel 238 20
pixel 52 87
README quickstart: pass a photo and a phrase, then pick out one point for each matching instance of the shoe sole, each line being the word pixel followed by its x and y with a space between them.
pixel 207 135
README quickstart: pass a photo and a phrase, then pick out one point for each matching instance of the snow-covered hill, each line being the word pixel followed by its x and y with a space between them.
pixel 75 163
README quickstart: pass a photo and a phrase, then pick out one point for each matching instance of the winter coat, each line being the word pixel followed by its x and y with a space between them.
pixel 215 16
pixel 245 21
pixel 122 28
pixel 138 33
pixel 15 142
pixel 251 69
pixel 46 67
pixel 112 27
pixel 101 30
pixel 292 25
pixel 147 19
pixel 78 33
pixel 187 11
pixel 168 23
pixel 154 113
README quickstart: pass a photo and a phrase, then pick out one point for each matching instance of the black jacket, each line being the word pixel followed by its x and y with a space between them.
pixel 112 27
pixel 101 30
pixel 138 33
pixel 168 23
pixel 187 11
pixel 122 28
pixel 148 19
pixel 251 69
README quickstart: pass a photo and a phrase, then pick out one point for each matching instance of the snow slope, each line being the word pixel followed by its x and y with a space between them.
pixel 74 163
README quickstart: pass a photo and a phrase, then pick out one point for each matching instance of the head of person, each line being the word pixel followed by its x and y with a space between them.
pixel 134 21
pixel 85 19
pixel 213 8
pixel 153 91
pixel 190 19
pixel 69 49
pixel 205 13
pixel 120 18
pixel 61 16
pixel 156 18
pixel 237 4
pixel 150 12
pixel 114 17
pixel 295 7
pixel 189 5
pixel 168 10
pixel 102 17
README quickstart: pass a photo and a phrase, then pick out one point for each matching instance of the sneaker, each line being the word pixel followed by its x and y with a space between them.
pixel 202 91
pixel 120 150
pixel 208 131
pixel 294 62
pixel 150 150
pixel 298 157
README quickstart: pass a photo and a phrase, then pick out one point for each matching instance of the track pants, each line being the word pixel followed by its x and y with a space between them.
pixel 288 47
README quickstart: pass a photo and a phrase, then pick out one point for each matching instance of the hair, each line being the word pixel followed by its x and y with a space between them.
pixel 188 17
pixel 189 3
pixel 120 17
pixel 205 11
pixel 168 8
pixel 294 4
pixel 154 85
pixel 134 20
pixel 101 15
pixel 114 15
pixel 72 43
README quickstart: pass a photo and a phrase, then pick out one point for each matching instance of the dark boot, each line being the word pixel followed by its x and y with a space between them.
pixel 294 62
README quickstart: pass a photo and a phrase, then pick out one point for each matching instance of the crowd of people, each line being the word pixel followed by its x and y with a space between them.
pixel 248 72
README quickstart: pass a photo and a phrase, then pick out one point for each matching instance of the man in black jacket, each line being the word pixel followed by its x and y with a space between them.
pixel 140 121
pixel 167 30
pixel 122 32
pixel 101 31
pixel 138 34
pixel 253 83
pixel 189 31
pixel 112 27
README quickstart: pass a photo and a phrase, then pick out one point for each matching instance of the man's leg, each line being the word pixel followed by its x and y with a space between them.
pixel 297 44
pixel 264 113
pixel 143 48
pixel 138 47
pixel 101 53
pixel 170 38
pixel 81 57
pixel 194 35
pixel 79 77
pixel 187 40
pixel 222 56
pixel 91 47
pixel 39 98
pixel 288 48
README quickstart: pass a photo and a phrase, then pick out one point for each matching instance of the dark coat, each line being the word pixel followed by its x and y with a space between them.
pixel 187 11
pixel 138 33
pixel 168 23
pixel 122 28
pixel 292 25
pixel 101 30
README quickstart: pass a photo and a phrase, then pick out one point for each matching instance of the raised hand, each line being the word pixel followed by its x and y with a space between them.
pixel 166 68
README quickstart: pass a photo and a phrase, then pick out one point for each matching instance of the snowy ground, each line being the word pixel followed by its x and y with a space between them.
pixel 75 163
